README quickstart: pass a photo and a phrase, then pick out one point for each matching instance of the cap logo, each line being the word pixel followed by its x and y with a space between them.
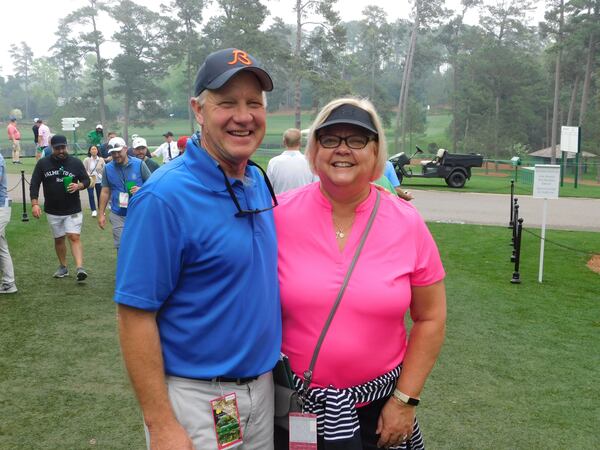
pixel 240 57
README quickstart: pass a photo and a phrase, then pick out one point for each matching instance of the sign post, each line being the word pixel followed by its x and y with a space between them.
pixel 546 184
pixel 71 124
pixel 570 142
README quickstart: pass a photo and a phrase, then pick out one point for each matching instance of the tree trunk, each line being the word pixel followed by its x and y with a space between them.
pixel 100 68
pixel 547 134
pixel 400 119
pixel 191 117
pixel 126 116
pixel 297 72
pixel 556 87
pixel 372 79
pixel 466 136
pixel 586 81
pixel 454 107
pixel 400 103
pixel 27 93
pixel 496 127
pixel 572 102
pixel 405 96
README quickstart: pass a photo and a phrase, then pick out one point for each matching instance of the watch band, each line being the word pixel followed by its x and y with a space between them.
pixel 402 397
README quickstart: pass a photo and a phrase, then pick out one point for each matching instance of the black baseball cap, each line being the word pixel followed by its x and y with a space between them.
pixel 168 133
pixel 57 140
pixel 351 115
pixel 220 66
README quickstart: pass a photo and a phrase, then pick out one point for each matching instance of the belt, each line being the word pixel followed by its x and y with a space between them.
pixel 231 380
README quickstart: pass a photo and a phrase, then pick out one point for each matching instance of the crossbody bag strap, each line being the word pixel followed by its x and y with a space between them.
pixel 308 373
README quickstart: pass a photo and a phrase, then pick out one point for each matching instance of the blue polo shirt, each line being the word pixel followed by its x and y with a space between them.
pixel 390 174
pixel 211 277
pixel 116 176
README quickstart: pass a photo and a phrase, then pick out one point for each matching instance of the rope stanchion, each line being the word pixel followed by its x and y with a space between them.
pixel 25 218
pixel 516 278
pixel 512 196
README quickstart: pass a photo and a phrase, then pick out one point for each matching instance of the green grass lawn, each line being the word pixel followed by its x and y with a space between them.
pixel 518 370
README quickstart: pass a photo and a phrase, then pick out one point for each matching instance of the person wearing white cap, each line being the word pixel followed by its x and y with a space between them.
pixel 95 137
pixel 122 178
pixel 140 150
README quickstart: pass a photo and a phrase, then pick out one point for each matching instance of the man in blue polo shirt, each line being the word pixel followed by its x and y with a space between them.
pixel 202 333
pixel 390 174
pixel 122 177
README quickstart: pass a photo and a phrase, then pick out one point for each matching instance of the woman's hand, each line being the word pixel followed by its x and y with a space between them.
pixel 395 423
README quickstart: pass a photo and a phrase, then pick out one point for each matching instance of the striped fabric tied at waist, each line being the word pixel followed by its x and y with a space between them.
pixel 337 419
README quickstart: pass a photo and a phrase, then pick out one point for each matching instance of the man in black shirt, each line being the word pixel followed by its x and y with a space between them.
pixel 62 176
pixel 34 128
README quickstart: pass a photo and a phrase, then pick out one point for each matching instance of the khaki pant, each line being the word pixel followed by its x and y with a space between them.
pixel 16 150
pixel 6 264
pixel 190 400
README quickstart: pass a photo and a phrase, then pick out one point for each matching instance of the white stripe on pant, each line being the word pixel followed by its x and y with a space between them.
pixel 191 402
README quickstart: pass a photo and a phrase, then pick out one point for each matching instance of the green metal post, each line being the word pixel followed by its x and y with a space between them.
pixel 576 168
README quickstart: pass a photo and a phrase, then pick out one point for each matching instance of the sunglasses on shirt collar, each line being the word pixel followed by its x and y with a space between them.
pixel 246 212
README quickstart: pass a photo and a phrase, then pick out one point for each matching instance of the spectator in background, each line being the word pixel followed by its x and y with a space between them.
pixel 61 201
pixel 8 285
pixel 14 135
pixel 104 154
pixel 95 137
pixel 121 179
pixel 168 150
pixel 43 138
pixel 290 169
pixel 181 143
pixel 35 128
pixel 140 149
pixel 94 165
pixel 390 174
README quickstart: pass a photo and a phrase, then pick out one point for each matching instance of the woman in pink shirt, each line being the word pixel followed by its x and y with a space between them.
pixel 370 371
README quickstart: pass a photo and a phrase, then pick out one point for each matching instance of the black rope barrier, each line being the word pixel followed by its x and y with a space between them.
pixel 566 247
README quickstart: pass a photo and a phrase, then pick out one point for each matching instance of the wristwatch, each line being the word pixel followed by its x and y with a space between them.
pixel 402 397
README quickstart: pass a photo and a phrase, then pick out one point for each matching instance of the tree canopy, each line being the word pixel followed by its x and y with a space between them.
pixel 505 82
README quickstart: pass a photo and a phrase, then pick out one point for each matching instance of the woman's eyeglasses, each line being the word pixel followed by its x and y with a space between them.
pixel 355 142
pixel 245 212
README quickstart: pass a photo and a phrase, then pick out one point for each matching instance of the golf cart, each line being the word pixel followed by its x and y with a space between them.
pixel 453 168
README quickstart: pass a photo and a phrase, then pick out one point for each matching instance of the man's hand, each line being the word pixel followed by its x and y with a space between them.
pixel 36 211
pixel 72 188
pixel 101 220
pixel 170 437
pixel 395 423
pixel 134 189
pixel 404 195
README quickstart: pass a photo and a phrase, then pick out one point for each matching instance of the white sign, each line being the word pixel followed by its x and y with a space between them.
pixel 546 181
pixel 569 139
pixel 71 123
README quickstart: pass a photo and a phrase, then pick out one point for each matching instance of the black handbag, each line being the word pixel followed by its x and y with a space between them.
pixel 287 399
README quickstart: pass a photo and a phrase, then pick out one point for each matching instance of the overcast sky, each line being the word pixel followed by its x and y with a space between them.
pixel 35 21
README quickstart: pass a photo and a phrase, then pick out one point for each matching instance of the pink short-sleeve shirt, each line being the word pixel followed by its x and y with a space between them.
pixel 367 337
